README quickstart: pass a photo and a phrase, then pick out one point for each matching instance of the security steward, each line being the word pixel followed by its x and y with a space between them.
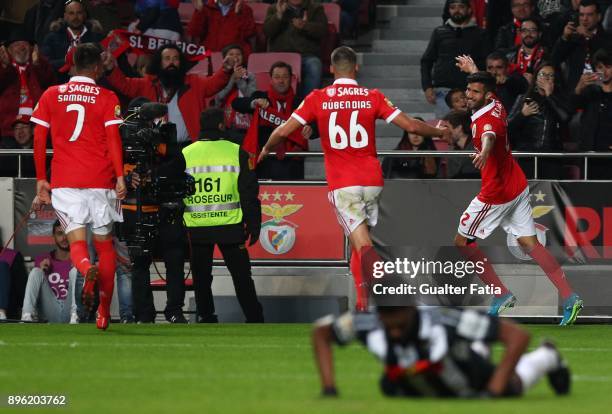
pixel 225 210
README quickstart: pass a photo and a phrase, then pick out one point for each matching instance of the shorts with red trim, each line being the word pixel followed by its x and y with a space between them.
pixel 515 217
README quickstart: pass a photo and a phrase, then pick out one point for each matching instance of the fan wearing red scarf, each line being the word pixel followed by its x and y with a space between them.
pixel 524 58
pixel 346 114
pixel 270 109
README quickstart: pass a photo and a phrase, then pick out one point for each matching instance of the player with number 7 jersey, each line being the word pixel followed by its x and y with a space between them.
pixel 86 170
pixel 346 115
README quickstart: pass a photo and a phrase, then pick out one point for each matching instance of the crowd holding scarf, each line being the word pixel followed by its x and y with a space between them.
pixel 278 112
pixel 26 103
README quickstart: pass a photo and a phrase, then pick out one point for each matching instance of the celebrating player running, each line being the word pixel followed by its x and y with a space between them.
pixel 87 169
pixel 346 114
pixel 503 199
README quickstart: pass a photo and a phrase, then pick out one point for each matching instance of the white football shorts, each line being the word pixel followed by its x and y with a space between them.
pixel 515 217
pixel 78 207
pixel 354 205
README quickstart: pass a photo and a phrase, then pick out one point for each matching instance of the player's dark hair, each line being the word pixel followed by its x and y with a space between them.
pixel 211 118
pixel 232 46
pixel 155 64
pixel 602 56
pixel 87 55
pixel 449 96
pixel 281 64
pixel 589 3
pixel 456 118
pixel 487 80
pixel 498 56
pixel 344 58
pixel 56 224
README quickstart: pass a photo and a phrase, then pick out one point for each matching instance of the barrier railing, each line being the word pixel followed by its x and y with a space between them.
pixel 404 154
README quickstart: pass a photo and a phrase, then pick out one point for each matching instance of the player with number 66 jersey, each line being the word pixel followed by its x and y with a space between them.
pixel 346 115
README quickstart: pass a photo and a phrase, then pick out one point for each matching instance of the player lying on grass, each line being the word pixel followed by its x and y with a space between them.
pixel 440 352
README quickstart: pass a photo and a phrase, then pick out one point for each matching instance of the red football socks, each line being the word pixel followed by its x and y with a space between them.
pixel 361 289
pixel 106 265
pixel 80 256
pixel 489 276
pixel 551 267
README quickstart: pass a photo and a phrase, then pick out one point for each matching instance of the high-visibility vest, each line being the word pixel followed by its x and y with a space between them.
pixel 215 165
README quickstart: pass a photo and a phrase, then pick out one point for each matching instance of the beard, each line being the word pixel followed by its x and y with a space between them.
pixel 530 42
pixel 172 77
pixel 459 18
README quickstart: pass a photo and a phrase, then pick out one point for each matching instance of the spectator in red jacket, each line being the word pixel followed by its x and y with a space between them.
pixel 24 76
pixel 223 22
pixel 168 82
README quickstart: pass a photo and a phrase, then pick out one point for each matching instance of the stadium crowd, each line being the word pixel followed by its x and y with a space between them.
pixel 552 61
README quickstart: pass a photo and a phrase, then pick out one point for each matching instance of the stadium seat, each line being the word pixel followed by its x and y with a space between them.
pixel 332 11
pixel 262 80
pixel 367 13
pixel 440 144
pixel 572 172
pixel 260 10
pixel 261 62
pixel 332 39
pixel 185 11
pixel 203 65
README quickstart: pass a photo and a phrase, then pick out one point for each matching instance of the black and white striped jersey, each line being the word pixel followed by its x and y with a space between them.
pixel 446 354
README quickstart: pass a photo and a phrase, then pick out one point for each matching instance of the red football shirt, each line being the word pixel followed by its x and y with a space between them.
pixel 78 114
pixel 502 178
pixel 346 115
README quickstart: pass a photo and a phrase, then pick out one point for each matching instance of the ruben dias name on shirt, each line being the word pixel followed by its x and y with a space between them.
pixel 351 92
pixel 72 92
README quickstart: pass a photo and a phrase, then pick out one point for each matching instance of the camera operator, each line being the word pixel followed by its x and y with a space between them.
pixel 152 224
pixel 225 210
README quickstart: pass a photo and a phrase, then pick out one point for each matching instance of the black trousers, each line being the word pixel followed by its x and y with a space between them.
pixel 171 247
pixel 236 258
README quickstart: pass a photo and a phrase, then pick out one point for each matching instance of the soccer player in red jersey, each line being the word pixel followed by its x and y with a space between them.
pixel 87 181
pixel 346 113
pixel 503 199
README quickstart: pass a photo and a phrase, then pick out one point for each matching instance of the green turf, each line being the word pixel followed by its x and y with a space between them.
pixel 251 369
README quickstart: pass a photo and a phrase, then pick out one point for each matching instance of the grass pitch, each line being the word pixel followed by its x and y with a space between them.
pixel 250 369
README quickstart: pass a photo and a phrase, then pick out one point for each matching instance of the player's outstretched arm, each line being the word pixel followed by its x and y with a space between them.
pixel 480 158
pixel 322 345
pixel 421 128
pixel 515 341
pixel 280 134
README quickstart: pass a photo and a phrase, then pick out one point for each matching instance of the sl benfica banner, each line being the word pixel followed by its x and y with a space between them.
pixel 121 41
